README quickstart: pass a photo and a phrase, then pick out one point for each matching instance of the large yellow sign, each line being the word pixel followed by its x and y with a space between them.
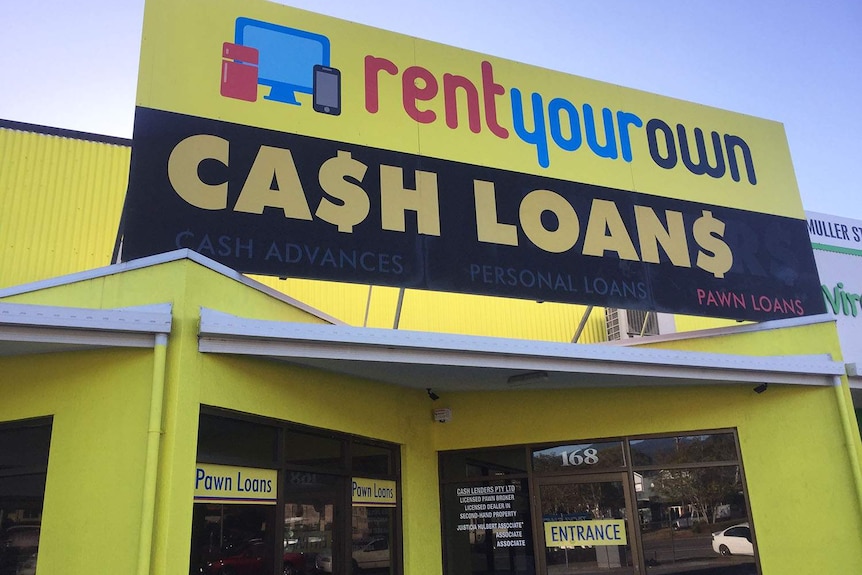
pixel 282 142
pixel 253 63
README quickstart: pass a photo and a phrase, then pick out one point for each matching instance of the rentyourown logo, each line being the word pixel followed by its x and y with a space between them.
pixel 288 60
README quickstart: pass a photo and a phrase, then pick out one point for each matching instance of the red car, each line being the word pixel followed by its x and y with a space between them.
pixel 249 559
pixel 295 563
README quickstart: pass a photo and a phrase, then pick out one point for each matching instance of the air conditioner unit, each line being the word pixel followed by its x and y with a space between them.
pixel 628 323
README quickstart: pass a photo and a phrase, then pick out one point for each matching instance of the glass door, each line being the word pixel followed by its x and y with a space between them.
pixel 586 526
pixel 311 506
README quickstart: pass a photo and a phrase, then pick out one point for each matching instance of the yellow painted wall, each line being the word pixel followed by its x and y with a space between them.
pixel 804 340
pixel 99 402
pixel 693 323
pixel 794 469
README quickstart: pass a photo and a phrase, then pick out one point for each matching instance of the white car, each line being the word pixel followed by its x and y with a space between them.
pixel 323 562
pixel 735 540
pixel 28 567
pixel 373 554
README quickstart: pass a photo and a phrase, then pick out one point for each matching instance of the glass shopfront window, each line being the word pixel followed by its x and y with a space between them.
pixel 232 539
pixel 691 504
pixel 229 440
pixel 373 540
pixel 581 456
pixel 304 449
pixel 660 504
pixel 306 481
pixel 312 505
pixel 23 470
pixel 584 525
pixel 486 512
pixel 683 449
pixel 371 459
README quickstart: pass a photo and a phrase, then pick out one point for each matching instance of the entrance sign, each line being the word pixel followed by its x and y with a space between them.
pixel 230 484
pixel 282 142
pixel 595 532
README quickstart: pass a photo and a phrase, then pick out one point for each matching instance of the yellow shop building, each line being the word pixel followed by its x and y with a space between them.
pixel 197 376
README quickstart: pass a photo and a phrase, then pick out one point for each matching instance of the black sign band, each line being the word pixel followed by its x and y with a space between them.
pixel 272 203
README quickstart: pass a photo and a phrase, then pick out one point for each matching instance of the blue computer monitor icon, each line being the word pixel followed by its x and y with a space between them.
pixel 287 57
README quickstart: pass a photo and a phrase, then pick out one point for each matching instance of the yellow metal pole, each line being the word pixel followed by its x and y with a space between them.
pixel 154 436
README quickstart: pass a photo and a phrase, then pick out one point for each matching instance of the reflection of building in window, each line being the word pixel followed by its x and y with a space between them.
pixel 691 488
pixel 372 536
pixel 23 469
pixel 307 527
pixel 231 538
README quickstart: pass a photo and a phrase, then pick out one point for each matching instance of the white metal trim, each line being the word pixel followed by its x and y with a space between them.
pixel 76 337
pixel 726 330
pixel 129 319
pixel 224 333
pixel 56 328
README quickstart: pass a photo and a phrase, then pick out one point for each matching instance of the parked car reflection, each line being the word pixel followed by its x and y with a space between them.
pixel 28 567
pixel 688 520
pixel 247 559
pixel 297 560
pixel 18 544
pixel 372 555
pixel 735 540
pixel 368 555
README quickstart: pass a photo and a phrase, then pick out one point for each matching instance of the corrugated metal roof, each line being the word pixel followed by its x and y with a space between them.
pixel 445 312
pixel 61 196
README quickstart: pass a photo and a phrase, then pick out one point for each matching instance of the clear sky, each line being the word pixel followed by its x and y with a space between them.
pixel 74 64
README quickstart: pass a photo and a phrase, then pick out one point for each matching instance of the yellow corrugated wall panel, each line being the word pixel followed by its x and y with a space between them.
pixel 445 312
pixel 694 323
pixel 60 204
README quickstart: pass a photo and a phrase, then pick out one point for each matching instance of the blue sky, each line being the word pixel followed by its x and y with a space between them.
pixel 74 65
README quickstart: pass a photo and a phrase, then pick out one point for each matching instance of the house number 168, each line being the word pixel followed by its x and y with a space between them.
pixel 575 458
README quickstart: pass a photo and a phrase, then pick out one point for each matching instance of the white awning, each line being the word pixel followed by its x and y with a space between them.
pixel 456 362
pixel 29 329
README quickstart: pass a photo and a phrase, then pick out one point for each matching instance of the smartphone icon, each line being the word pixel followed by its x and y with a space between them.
pixel 327 90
